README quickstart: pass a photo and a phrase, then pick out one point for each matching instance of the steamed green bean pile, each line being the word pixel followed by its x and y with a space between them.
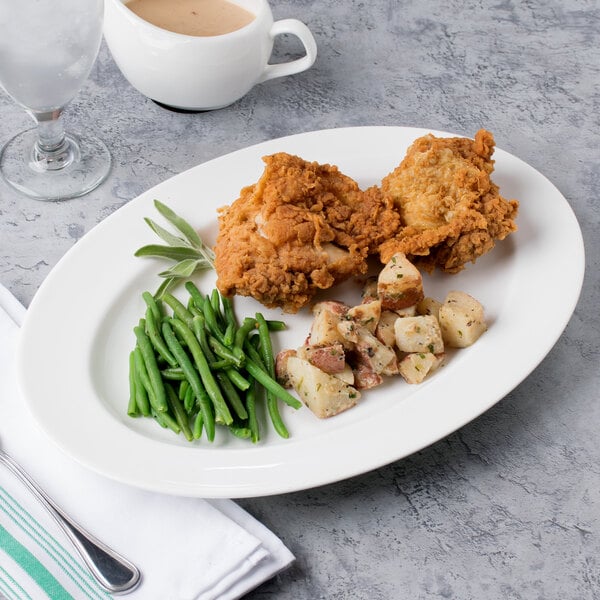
pixel 194 367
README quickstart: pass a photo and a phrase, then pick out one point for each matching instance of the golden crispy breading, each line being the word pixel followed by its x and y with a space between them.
pixel 301 228
pixel 451 211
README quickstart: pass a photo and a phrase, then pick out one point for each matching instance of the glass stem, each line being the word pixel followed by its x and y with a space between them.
pixel 53 150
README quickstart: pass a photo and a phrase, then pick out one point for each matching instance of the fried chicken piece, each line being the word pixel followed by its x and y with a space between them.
pixel 451 211
pixel 302 227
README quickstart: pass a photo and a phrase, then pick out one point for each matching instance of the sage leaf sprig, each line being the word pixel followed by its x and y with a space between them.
pixel 185 248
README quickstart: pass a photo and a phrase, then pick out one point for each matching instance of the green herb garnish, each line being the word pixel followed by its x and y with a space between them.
pixel 185 247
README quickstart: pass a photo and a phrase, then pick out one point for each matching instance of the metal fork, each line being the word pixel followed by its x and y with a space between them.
pixel 113 572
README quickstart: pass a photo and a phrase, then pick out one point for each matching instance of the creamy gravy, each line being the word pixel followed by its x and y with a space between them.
pixel 192 17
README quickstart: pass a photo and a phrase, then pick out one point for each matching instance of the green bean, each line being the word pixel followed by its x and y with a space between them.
pixel 229 335
pixel 179 309
pixel 265 344
pixel 215 302
pixel 211 321
pixel 234 360
pixel 167 421
pixel 235 356
pixel 198 425
pixel 190 373
pixel 276 325
pixel 232 395
pixel 240 431
pixel 251 410
pixel 251 352
pixel 206 375
pixel 145 346
pixel 156 338
pixel 198 326
pixel 173 374
pixel 242 333
pixel 153 305
pixel 270 384
pixel 161 421
pixel 132 407
pixel 195 294
pixel 266 351
pixel 275 416
pixel 142 383
pixel 254 341
pixel 228 311
pixel 221 350
pixel 240 382
pixel 193 308
pixel 206 399
pixel 184 386
pixel 180 414
pixel 218 365
pixel 189 400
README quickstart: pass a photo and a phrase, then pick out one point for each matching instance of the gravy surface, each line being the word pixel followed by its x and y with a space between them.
pixel 201 18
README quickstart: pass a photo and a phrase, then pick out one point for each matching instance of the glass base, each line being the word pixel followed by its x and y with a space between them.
pixel 76 171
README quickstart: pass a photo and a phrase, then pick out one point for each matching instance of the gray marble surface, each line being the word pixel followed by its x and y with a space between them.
pixel 509 506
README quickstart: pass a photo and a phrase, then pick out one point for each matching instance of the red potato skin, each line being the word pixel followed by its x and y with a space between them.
pixel 281 372
pixel 330 359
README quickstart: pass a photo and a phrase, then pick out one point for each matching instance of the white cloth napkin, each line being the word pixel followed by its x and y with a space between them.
pixel 186 548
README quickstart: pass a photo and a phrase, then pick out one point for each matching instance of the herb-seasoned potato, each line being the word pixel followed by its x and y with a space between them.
pixel 461 320
pixel 416 366
pixel 399 284
pixel 408 311
pixel 373 353
pixel 419 334
pixel 366 314
pixel 347 375
pixel 429 306
pixel 331 359
pixel 385 328
pixel 326 395
pixel 281 370
pixel 324 330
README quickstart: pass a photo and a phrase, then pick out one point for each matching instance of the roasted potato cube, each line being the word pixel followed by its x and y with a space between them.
pixel 399 284
pixel 281 371
pixel 372 352
pixel 416 366
pixel 337 308
pixel 391 368
pixel 331 359
pixel 326 395
pixel 348 329
pixel 366 314
pixel 369 291
pixel 385 328
pixel 419 334
pixel 347 375
pixel 324 330
pixel 409 311
pixel 439 361
pixel 429 306
pixel 461 320
pixel 365 378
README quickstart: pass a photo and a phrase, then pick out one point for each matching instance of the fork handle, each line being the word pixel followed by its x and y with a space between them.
pixel 112 571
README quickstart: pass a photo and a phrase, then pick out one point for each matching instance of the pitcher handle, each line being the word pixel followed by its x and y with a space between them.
pixel 301 31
